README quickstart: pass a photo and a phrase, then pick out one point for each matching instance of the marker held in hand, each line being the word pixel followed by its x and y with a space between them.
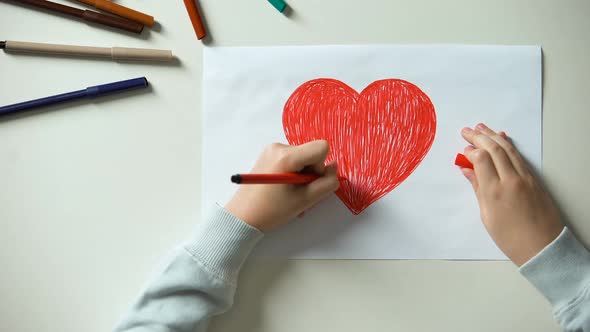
pixel 284 178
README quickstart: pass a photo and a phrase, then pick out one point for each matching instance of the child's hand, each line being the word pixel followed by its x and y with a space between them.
pixel 515 209
pixel 266 206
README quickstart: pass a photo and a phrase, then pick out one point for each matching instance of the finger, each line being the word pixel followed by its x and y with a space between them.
pixel 513 155
pixel 470 175
pixel 302 214
pixel 483 166
pixel 312 154
pixel 505 136
pixel 324 185
pixel 502 163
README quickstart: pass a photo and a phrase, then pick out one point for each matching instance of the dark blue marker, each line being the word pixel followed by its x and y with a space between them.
pixel 90 92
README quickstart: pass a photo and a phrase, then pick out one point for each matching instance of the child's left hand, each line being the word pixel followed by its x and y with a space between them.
pixel 267 206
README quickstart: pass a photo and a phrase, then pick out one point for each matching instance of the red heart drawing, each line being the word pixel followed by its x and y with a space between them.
pixel 378 137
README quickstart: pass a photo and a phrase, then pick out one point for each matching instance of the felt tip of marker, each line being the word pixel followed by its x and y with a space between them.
pixel 236 178
pixel 2 44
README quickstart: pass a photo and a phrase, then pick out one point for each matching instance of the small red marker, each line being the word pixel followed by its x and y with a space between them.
pixel 462 161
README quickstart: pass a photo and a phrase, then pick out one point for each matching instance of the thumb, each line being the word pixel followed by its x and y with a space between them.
pixel 324 185
pixel 469 173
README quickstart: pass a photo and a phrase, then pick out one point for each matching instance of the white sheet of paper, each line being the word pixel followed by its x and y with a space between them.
pixel 433 214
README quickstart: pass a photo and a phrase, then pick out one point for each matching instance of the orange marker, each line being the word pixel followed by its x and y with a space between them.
pixel 193 13
pixel 462 161
pixel 122 11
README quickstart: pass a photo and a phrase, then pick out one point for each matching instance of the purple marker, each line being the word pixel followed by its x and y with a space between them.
pixel 90 92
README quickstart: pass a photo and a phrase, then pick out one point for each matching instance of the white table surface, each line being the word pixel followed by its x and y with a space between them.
pixel 93 194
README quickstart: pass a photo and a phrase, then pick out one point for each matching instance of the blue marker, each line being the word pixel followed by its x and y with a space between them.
pixel 90 92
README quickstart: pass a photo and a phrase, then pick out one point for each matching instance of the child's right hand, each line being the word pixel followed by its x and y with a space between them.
pixel 269 206
pixel 515 209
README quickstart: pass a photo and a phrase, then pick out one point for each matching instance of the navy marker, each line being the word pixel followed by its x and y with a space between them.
pixel 90 92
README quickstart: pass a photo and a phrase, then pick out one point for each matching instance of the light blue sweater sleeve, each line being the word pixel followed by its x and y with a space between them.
pixel 198 281
pixel 561 272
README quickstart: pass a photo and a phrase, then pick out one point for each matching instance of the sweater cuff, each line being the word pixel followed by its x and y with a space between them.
pixel 561 271
pixel 222 242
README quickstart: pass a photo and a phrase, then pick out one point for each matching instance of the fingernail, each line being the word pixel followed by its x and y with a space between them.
pixel 466 130
pixel 481 126
pixel 331 171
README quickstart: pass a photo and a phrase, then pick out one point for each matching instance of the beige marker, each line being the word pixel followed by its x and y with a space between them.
pixel 115 53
